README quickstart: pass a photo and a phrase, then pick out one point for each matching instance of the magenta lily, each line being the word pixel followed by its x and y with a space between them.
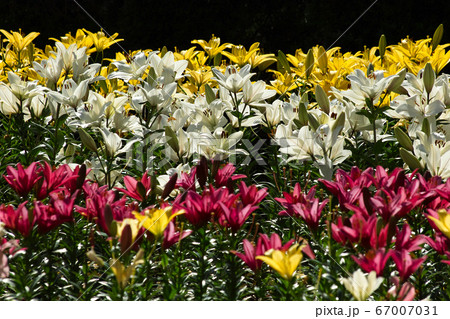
pixel 17 219
pixel 406 265
pixel 55 213
pixel 172 237
pixel 373 260
pixel 250 195
pixel 138 190
pixel 235 216
pixel 22 180
pixel 224 176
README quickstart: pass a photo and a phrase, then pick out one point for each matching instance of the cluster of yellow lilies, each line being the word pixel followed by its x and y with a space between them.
pixel 325 67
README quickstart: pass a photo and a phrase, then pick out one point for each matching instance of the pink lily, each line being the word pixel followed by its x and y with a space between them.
pixel 54 179
pixel 171 237
pixel 17 219
pixel 251 195
pixel 250 253
pixel 235 216
pixel 12 246
pixel 224 176
pixel 138 190
pixel 404 241
pixel 373 260
pixel 56 212
pixel 405 292
pixel 22 180
pixel 406 265
pixel 202 208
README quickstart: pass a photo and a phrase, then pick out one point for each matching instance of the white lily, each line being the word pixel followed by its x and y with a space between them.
pixel 72 94
pixel 9 103
pixel 218 146
pixel 23 90
pixel 167 69
pixel 255 94
pixel 113 143
pixel 233 80
pixel 50 70
pixel 69 54
pixel 134 70
pixel 363 87
pixel 360 285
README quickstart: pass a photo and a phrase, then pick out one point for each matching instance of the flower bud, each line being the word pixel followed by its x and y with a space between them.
pixel 410 160
pixel 428 77
pixel 382 46
pixel 322 59
pixel 403 139
pixel 87 140
pixel 437 37
pixel 309 63
pixel 322 99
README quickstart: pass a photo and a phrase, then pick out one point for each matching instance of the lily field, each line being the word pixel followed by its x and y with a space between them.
pixel 221 172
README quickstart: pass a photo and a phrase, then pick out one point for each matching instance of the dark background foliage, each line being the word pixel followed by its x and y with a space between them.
pixel 277 25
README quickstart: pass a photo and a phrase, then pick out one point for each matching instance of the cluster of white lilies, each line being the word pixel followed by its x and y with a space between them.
pixel 152 111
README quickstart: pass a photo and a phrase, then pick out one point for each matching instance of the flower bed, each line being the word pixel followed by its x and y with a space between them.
pixel 221 173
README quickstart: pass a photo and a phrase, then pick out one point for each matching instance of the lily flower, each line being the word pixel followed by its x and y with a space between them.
pixel 373 260
pixel 156 220
pixel 122 273
pixel 17 219
pixel 443 222
pixel 284 262
pixel 406 265
pixel 251 195
pixel 405 292
pixel 172 237
pixel 10 247
pixel 55 213
pixel 225 174
pixel 233 80
pixel 138 190
pixel 22 180
pixel 362 285
pixel 17 40
pixel 234 217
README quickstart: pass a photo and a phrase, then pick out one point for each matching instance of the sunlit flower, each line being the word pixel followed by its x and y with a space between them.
pixel 156 220
pixel 284 262
pixel 362 285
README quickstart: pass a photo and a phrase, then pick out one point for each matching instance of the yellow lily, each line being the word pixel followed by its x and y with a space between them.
pixel 80 39
pixel 123 273
pixel 443 223
pixel 198 79
pixel 101 41
pixel 283 83
pixel 134 225
pixel 284 262
pixel 156 220
pixel 17 40
pixel 212 47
